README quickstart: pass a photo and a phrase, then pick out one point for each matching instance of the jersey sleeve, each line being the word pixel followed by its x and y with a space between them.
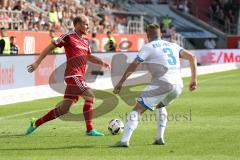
pixel 179 49
pixel 143 54
pixel 61 41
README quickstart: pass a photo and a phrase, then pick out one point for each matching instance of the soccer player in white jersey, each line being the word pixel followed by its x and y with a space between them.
pixel 163 60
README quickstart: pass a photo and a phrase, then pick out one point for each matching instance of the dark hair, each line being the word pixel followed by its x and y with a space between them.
pixel 94 34
pixel 109 32
pixel 12 37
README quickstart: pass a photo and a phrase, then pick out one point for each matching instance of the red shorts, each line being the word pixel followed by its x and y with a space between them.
pixel 75 88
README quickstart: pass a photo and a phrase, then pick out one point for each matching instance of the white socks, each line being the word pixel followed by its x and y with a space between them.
pixel 133 119
pixel 161 115
pixel 130 126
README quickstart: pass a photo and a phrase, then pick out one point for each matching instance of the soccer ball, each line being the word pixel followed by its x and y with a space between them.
pixel 115 126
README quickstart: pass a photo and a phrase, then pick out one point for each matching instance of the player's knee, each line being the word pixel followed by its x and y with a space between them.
pixel 89 97
pixel 139 108
pixel 65 106
pixel 160 105
pixel 65 110
pixel 62 110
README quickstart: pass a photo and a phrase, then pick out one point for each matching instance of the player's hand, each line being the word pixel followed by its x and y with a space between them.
pixel 117 88
pixel 105 65
pixel 193 85
pixel 32 67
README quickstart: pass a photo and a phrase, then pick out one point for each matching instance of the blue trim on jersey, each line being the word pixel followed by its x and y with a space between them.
pixel 139 59
pixel 140 100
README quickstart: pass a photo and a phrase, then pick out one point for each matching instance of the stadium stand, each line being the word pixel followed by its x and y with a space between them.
pixel 43 15
pixel 222 14
pixel 179 19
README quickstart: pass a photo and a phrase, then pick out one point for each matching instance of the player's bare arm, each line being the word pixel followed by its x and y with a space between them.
pixel 131 68
pixel 185 54
pixel 97 60
pixel 32 67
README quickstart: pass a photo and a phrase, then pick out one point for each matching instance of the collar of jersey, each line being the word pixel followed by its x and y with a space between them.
pixel 156 39
pixel 78 35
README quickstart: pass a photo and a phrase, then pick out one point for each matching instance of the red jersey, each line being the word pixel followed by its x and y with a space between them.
pixel 76 49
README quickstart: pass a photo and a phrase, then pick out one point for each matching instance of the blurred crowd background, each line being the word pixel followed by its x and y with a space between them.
pixel 117 17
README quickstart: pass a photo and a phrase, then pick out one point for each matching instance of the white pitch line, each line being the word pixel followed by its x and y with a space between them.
pixel 219 77
pixel 22 114
pixel 37 111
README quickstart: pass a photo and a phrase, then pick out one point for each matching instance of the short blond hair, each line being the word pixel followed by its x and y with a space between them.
pixel 153 26
pixel 79 19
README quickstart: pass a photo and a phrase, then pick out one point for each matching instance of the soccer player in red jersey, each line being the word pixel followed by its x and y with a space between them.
pixel 78 52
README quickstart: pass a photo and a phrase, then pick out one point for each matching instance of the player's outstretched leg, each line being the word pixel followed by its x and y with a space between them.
pixel 130 126
pixel 62 109
pixel 161 116
pixel 88 113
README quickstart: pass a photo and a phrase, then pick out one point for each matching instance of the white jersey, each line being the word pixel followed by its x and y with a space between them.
pixel 163 61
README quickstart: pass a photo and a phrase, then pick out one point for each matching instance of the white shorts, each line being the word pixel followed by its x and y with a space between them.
pixel 154 95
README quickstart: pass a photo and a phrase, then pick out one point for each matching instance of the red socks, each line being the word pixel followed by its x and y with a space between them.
pixel 55 113
pixel 88 114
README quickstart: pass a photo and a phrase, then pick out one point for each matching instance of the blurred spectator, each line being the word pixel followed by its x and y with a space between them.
pixel 18 5
pixel 121 24
pixel 210 43
pixel 185 6
pixel 223 14
pixel 220 19
pixel 4 42
pixel 214 7
pixel 53 37
pixel 94 43
pixel 44 15
pixel 171 32
pixel 13 46
pixel 111 43
pixel 163 30
pixel 4 20
pixel 53 17
pixel 166 21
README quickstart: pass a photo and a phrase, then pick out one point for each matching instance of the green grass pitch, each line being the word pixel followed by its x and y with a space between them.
pixel 202 125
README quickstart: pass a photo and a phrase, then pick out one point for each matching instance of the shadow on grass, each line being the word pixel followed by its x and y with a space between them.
pixel 49 148
pixel 12 136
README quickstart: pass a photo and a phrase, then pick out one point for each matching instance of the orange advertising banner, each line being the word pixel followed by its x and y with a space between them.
pixel 30 42
pixel 232 41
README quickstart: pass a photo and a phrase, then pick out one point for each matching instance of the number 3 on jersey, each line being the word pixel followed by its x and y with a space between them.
pixel 171 58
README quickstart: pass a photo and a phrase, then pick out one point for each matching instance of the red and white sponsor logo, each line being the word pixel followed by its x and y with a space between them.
pixel 218 56
pixel 7 75
pixel 29 45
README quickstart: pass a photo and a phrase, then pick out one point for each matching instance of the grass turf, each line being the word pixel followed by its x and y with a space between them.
pixel 202 125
